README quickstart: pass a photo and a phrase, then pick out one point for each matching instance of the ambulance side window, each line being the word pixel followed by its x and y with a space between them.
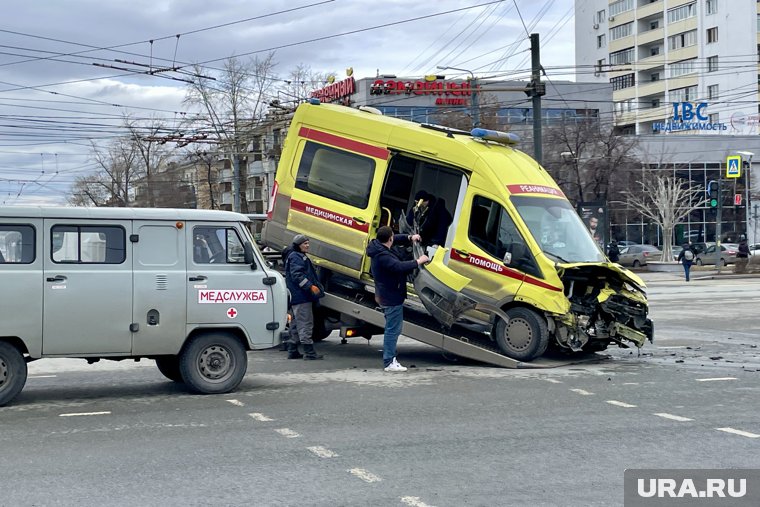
pixel 217 245
pixel 493 230
pixel 17 244
pixel 84 244
pixel 336 174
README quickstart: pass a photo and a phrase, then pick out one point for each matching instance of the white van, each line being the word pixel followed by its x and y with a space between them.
pixel 187 288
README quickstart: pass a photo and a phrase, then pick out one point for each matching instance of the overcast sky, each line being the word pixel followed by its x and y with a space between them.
pixel 48 47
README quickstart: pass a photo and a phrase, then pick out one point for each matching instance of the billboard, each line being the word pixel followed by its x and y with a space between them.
pixel 594 215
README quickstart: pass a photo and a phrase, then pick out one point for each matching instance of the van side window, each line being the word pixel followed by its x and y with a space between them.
pixel 493 230
pixel 17 244
pixel 336 174
pixel 85 244
pixel 217 245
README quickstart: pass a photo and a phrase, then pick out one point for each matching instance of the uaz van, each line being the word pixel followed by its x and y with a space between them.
pixel 187 288
pixel 516 257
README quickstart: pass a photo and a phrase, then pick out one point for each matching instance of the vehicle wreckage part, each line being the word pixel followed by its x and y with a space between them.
pixel 524 336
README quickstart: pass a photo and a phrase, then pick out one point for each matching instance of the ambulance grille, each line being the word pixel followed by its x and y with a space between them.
pixel 162 282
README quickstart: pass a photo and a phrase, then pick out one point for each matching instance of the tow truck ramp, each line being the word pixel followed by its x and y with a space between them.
pixel 423 328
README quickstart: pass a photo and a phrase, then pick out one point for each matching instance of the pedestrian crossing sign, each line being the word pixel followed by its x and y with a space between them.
pixel 733 166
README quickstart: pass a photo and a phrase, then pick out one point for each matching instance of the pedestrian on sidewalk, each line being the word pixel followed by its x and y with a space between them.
pixel 686 257
pixel 614 252
pixel 390 273
pixel 305 292
pixel 742 256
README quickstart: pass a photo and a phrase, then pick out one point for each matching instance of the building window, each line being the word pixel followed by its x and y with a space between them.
pixel 715 118
pixel 758 22
pixel 683 94
pixel 682 40
pixel 601 16
pixel 600 66
pixel 680 68
pixel 621 57
pixel 655 103
pixel 621 31
pixel 711 6
pixel 712 63
pixel 712 34
pixel 655 76
pixel 620 6
pixel 601 41
pixel 620 82
pixel 712 92
pixel 682 12
pixel 654 25
pixel 654 51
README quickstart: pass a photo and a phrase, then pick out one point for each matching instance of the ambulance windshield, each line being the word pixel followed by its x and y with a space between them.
pixel 558 229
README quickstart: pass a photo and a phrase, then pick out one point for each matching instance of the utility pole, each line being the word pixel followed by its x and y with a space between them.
pixel 536 89
pixel 718 221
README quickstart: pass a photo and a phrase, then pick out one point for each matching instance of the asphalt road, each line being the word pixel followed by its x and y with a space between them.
pixel 446 433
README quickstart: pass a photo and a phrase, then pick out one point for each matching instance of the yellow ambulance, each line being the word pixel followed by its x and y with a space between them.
pixel 517 259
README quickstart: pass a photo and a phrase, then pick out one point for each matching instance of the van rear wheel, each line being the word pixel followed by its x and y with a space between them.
pixel 12 372
pixel 213 363
pixel 169 367
pixel 524 337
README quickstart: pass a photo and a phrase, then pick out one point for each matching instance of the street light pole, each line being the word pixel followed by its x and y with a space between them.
pixel 475 99
pixel 748 183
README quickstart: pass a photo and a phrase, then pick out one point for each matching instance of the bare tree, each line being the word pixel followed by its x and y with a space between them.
pixel 111 184
pixel 666 200
pixel 207 160
pixel 234 104
pixel 150 152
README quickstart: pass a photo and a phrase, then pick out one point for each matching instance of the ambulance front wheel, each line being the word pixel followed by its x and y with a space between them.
pixel 12 372
pixel 213 363
pixel 524 337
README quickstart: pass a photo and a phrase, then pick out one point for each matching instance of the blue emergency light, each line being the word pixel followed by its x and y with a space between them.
pixel 495 136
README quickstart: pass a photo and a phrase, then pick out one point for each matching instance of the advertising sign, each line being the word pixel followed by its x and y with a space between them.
pixel 594 215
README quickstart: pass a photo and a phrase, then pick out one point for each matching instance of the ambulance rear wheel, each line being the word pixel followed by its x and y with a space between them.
pixel 12 372
pixel 169 367
pixel 524 337
pixel 213 363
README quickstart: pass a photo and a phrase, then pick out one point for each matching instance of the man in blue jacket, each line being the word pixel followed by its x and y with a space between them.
pixel 390 272
pixel 305 290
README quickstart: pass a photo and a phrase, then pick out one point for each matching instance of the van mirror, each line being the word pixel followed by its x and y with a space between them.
pixel 507 260
pixel 248 256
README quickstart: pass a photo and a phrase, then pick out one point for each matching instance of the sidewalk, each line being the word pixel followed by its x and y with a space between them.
pixel 705 273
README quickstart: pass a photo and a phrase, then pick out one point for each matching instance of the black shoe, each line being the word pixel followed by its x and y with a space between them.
pixel 310 354
pixel 295 355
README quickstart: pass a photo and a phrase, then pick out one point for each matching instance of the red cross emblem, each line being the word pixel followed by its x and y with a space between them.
pixel 232 313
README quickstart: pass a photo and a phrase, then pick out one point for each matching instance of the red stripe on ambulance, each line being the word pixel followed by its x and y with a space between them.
pixel 498 268
pixel 330 216
pixel 344 142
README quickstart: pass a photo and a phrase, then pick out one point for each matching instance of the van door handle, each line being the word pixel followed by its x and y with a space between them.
pixel 57 278
pixel 359 220
pixel 199 278
pixel 463 253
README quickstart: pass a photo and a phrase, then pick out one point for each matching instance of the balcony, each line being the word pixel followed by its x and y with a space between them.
pixel 683 54
pixel 650 9
pixel 225 175
pixel 651 88
pixel 255 168
pixel 227 198
pixel 621 43
pixel 651 36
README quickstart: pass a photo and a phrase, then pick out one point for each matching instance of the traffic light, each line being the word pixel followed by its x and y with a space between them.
pixel 713 192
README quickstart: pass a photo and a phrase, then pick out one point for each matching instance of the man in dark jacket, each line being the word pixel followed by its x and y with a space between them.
pixel 433 219
pixel 390 272
pixel 305 290
pixel 614 252
pixel 686 257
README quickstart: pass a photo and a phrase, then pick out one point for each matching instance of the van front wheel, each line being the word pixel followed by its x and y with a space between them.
pixel 169 367
pixel 12 372
pixel 213 363
pixel 524 337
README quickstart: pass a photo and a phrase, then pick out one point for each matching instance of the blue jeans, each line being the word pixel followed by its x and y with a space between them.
pixel 686 268
pixel 394 320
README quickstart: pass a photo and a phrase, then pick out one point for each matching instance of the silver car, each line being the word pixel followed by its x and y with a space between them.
pixel 728 253
pixel 638 255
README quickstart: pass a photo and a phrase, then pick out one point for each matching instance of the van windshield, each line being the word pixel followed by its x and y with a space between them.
pixel 558 229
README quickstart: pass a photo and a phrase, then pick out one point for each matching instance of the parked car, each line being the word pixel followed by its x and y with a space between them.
pixel 753 248
pixel 728 253
pixel 639 255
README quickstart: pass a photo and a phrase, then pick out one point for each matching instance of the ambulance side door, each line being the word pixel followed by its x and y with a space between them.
pixel 336 195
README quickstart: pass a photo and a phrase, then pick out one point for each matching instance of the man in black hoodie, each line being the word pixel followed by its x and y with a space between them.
pixel 390 274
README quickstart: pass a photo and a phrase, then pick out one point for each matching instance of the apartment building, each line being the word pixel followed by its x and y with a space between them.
pixel 684 67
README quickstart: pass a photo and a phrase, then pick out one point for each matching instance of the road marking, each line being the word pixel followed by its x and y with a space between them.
pixel 83 413
pixel 673 417
pixel 716 379
pixel 553 381
pixel 414 501
pixel 739 432
pixel 322 452
pixel 582 392
pixel 630 383
pixel 620 404
pixel 364 475
pixel 672 347
pixel 236 403
pixel 287 433
pixel 42 376
pixel 260 417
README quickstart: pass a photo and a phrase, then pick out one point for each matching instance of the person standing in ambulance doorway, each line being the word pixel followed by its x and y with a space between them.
pixel 390 273
pixel 305 291
pixel 431 216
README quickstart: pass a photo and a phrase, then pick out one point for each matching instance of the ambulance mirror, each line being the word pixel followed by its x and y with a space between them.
pixel 248 254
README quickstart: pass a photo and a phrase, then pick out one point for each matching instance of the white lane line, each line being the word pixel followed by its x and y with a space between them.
pixel 287 433
pixel 42 376
pixel 672 347
pixel 716 379
pixel 236 403
pixel 414 501
pixel 77 414
pixel 323 452
pixel 620 404
pixel 739 432
pixel 630 383
pixel 260 417
pixel 553 381
pixel 364 475
pixel 582 392
pixel 673 417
